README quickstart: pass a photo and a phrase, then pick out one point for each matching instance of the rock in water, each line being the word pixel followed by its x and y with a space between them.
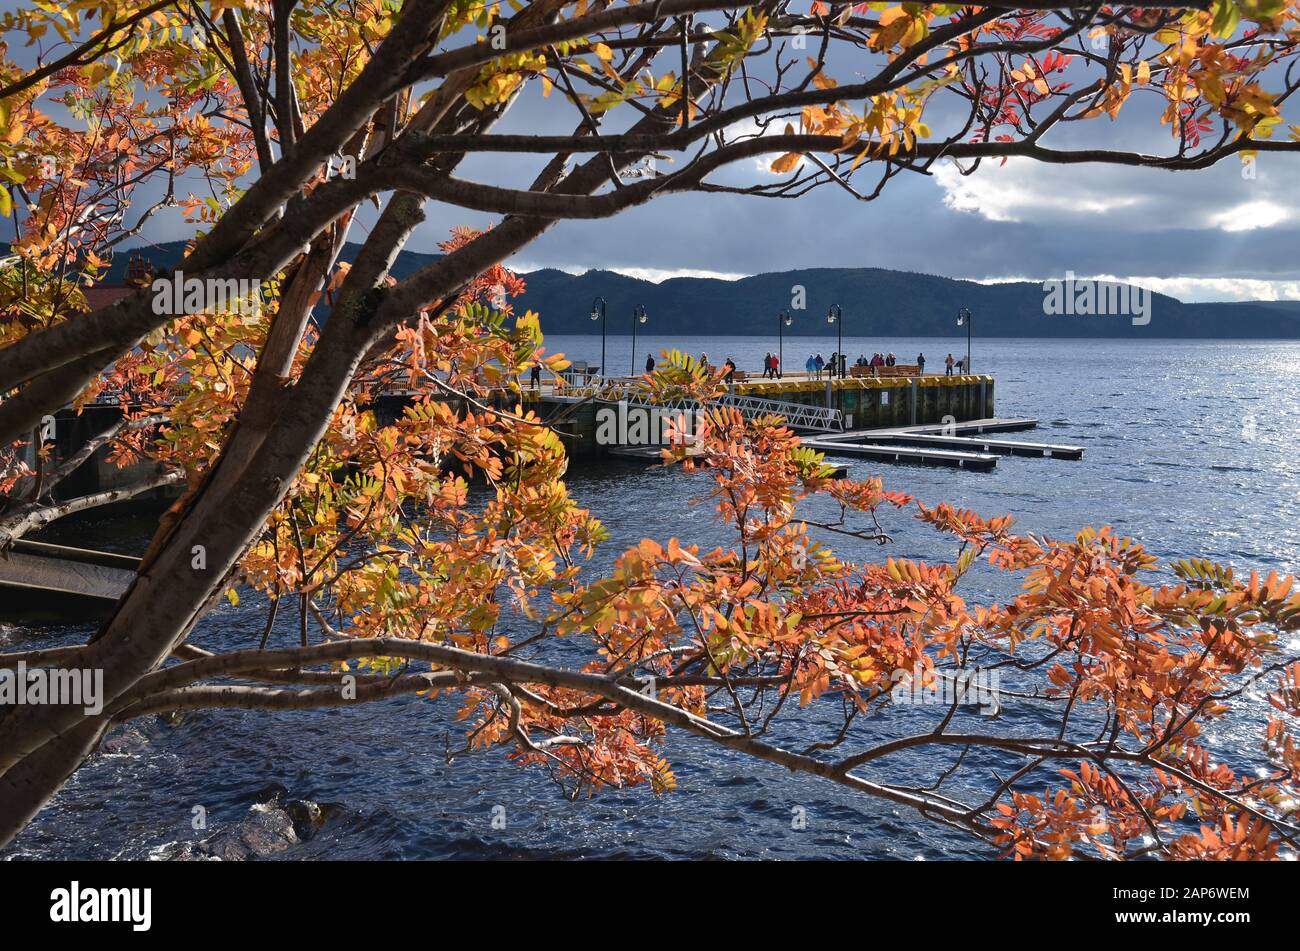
pixel 266 830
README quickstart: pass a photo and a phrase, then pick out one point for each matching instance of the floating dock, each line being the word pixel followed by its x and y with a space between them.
pixel 880 452
pixel 970 427
pixel 945 444
pixel 1001 447
pixel 949 438
pixel 41 582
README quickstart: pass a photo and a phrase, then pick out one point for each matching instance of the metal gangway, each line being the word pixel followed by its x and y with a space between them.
pixel 812 419
pixel 818 419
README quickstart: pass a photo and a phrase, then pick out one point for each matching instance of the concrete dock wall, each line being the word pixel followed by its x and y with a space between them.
pixel 865 403
pixel 878 404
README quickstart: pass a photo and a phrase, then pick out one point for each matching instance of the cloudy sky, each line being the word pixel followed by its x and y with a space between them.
pixel 1216 234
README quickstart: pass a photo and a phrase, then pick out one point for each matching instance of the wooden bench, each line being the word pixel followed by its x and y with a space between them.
pixel 898 370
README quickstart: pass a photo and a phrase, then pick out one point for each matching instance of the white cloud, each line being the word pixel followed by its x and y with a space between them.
pixel 1250 215
pixel 1024 190
pixel 1131 199
pixel 657 275
pixel 1186 289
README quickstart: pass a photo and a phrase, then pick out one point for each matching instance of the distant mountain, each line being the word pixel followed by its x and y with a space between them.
pixel 875 301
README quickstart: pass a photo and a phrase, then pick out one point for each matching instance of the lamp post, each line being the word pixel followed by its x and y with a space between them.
pixel 638 317
pixel 598 309
pixel 836 316
pixel 963 317
pixel 783 320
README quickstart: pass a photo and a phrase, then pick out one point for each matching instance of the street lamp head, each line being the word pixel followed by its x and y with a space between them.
pixel 788 320
pixel 595 314
pixel 642 317
pixel 963 315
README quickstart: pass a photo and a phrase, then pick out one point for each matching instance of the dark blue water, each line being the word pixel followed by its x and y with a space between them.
pixel 1189 447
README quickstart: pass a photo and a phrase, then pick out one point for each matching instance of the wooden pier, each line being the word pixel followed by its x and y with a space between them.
pixel 905 419
pixel 856 404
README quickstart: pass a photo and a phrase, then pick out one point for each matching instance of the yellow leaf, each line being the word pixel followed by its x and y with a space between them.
pixel 603 51
pixel 787 163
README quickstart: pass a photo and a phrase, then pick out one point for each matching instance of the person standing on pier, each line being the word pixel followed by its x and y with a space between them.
pixel 920 364
pixel 535 376
pixel 948 365
pixel 649 363
pixel 730 368
pixel 776 367
pixel 819 364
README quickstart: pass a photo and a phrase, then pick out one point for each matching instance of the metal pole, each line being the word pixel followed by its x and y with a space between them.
pixel 836 316
pixel 782 319
pixel 638 315
pixel 604 309
pixel 964 317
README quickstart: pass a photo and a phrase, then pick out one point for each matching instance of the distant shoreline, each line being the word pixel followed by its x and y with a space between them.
pixel 647 334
